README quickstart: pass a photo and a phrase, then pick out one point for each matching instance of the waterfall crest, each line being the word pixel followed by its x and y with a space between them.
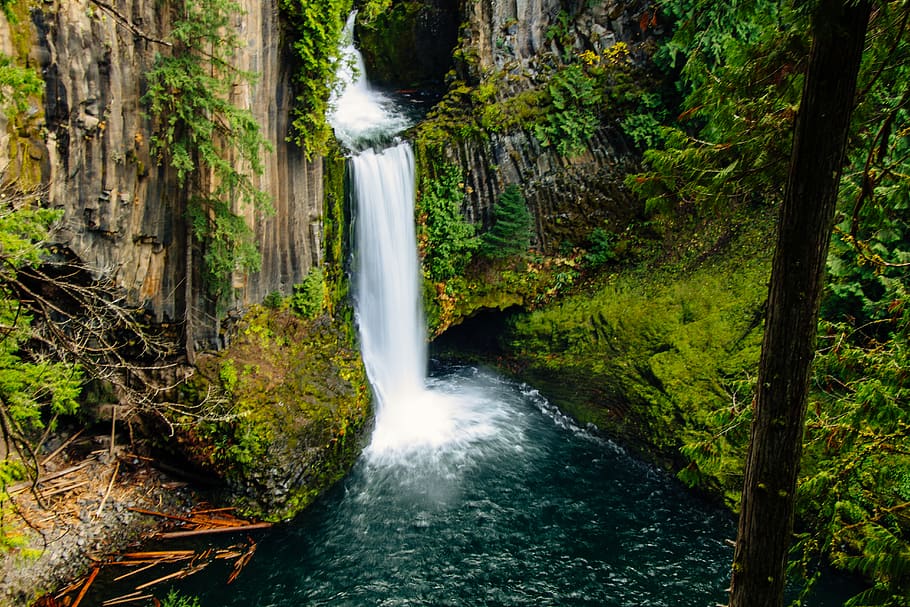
pixel 361 116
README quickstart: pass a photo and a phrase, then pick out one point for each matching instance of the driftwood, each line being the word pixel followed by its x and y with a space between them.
pixel 64 489
pixel 107 493
pixel 19 487
pixel 88 582
pixel 159 554
pixel 198 522
pixel 137 571
pixel 65 444
pixel 241 562
pixel 177 534
pixel 127 598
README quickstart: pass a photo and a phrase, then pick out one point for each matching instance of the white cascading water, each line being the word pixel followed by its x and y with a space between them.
pixel 360 116
pixel 409 417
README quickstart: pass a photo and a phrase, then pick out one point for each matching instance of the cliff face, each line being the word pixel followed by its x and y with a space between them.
pixel 123 213
pixel 516 44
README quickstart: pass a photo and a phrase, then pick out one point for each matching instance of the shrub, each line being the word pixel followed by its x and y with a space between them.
pixel 447 241
pixel 309 296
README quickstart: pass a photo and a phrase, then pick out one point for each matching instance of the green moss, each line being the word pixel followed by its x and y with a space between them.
pixel 334 224
pixel 388 43
pixel 296 413
pixel 652 353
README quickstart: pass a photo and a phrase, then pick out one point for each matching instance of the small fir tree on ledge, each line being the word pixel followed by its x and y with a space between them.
pixel 510 233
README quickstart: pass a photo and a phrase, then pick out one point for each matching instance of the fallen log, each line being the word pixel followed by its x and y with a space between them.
pixel 141 569
pixel 172 517
pixel 177 534
pixel 64 489
pixel 127 598
pixel 160 554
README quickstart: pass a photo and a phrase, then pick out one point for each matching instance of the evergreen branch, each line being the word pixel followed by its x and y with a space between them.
pixel 889 56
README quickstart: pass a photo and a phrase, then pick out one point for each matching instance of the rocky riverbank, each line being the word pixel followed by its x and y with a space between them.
pixel 82 508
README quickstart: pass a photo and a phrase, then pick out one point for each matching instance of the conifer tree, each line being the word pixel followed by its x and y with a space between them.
pixel 510 233
pixel 205 138
pixel 806 221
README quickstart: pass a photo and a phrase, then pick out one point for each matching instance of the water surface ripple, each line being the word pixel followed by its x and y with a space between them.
pixel 533 511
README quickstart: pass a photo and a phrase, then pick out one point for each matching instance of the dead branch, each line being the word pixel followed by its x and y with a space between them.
pixel 65 444
pixel 170 535
pixel 125 21
pixel 91 578
pixel 110 486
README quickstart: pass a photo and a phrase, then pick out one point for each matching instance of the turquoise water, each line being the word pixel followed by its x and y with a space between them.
pixel 534 511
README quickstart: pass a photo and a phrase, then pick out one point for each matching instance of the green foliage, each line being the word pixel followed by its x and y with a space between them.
pixel 387 35
pixel 371 9
pixel 856 467
pixel 228 376
pixel 316 27
pixel 175 599
pixel 310 295
pixel 6 7
pixel 561 30
pixel 17 84
pixel 742 80
pixel 273 300
pixel 510 233
pixel 26 385
pixel 572 117
pixel 644 124
pixel 201 132
pixel 334 232
pixel 294 392
pixel 32 388
pixel 741 66
pixel 446 241
pixel 602 249
pixel 228 240
pixel 661 350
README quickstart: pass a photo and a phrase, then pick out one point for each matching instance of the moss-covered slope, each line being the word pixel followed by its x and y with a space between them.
pixel 649 352
pixel 296 406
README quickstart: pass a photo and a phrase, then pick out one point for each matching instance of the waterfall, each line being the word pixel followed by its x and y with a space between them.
pixel 360 116
pixel 387 270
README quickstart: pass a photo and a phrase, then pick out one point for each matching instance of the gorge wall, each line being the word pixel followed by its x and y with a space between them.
pixel 89 144
pixel 513 47
pixel 124 214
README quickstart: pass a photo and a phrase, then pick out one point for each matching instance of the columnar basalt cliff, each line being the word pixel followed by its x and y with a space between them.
pixel 514 48
pixel 124 214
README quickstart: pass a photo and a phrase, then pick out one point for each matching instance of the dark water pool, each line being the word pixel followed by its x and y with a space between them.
pixel 521 508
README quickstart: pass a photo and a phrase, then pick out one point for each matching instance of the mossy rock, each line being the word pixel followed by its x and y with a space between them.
pixel 295 412
pixel 648 354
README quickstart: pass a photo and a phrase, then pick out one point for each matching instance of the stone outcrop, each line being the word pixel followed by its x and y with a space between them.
pixel 566 196
pixel 411 44
pixel 514 44
pixel 123 213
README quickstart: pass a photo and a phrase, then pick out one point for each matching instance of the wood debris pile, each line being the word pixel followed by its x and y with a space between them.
pixel 154 567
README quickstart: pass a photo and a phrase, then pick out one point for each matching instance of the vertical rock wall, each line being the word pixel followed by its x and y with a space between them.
pixel 123 213
pixel 518 42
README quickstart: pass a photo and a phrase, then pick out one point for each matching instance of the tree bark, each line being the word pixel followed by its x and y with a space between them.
pixel 806 221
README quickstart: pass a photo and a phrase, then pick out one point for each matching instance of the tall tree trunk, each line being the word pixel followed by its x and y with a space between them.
pixel 806 221
pixel 188 285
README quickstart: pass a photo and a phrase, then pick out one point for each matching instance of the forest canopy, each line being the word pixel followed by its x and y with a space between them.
pixel 739 69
